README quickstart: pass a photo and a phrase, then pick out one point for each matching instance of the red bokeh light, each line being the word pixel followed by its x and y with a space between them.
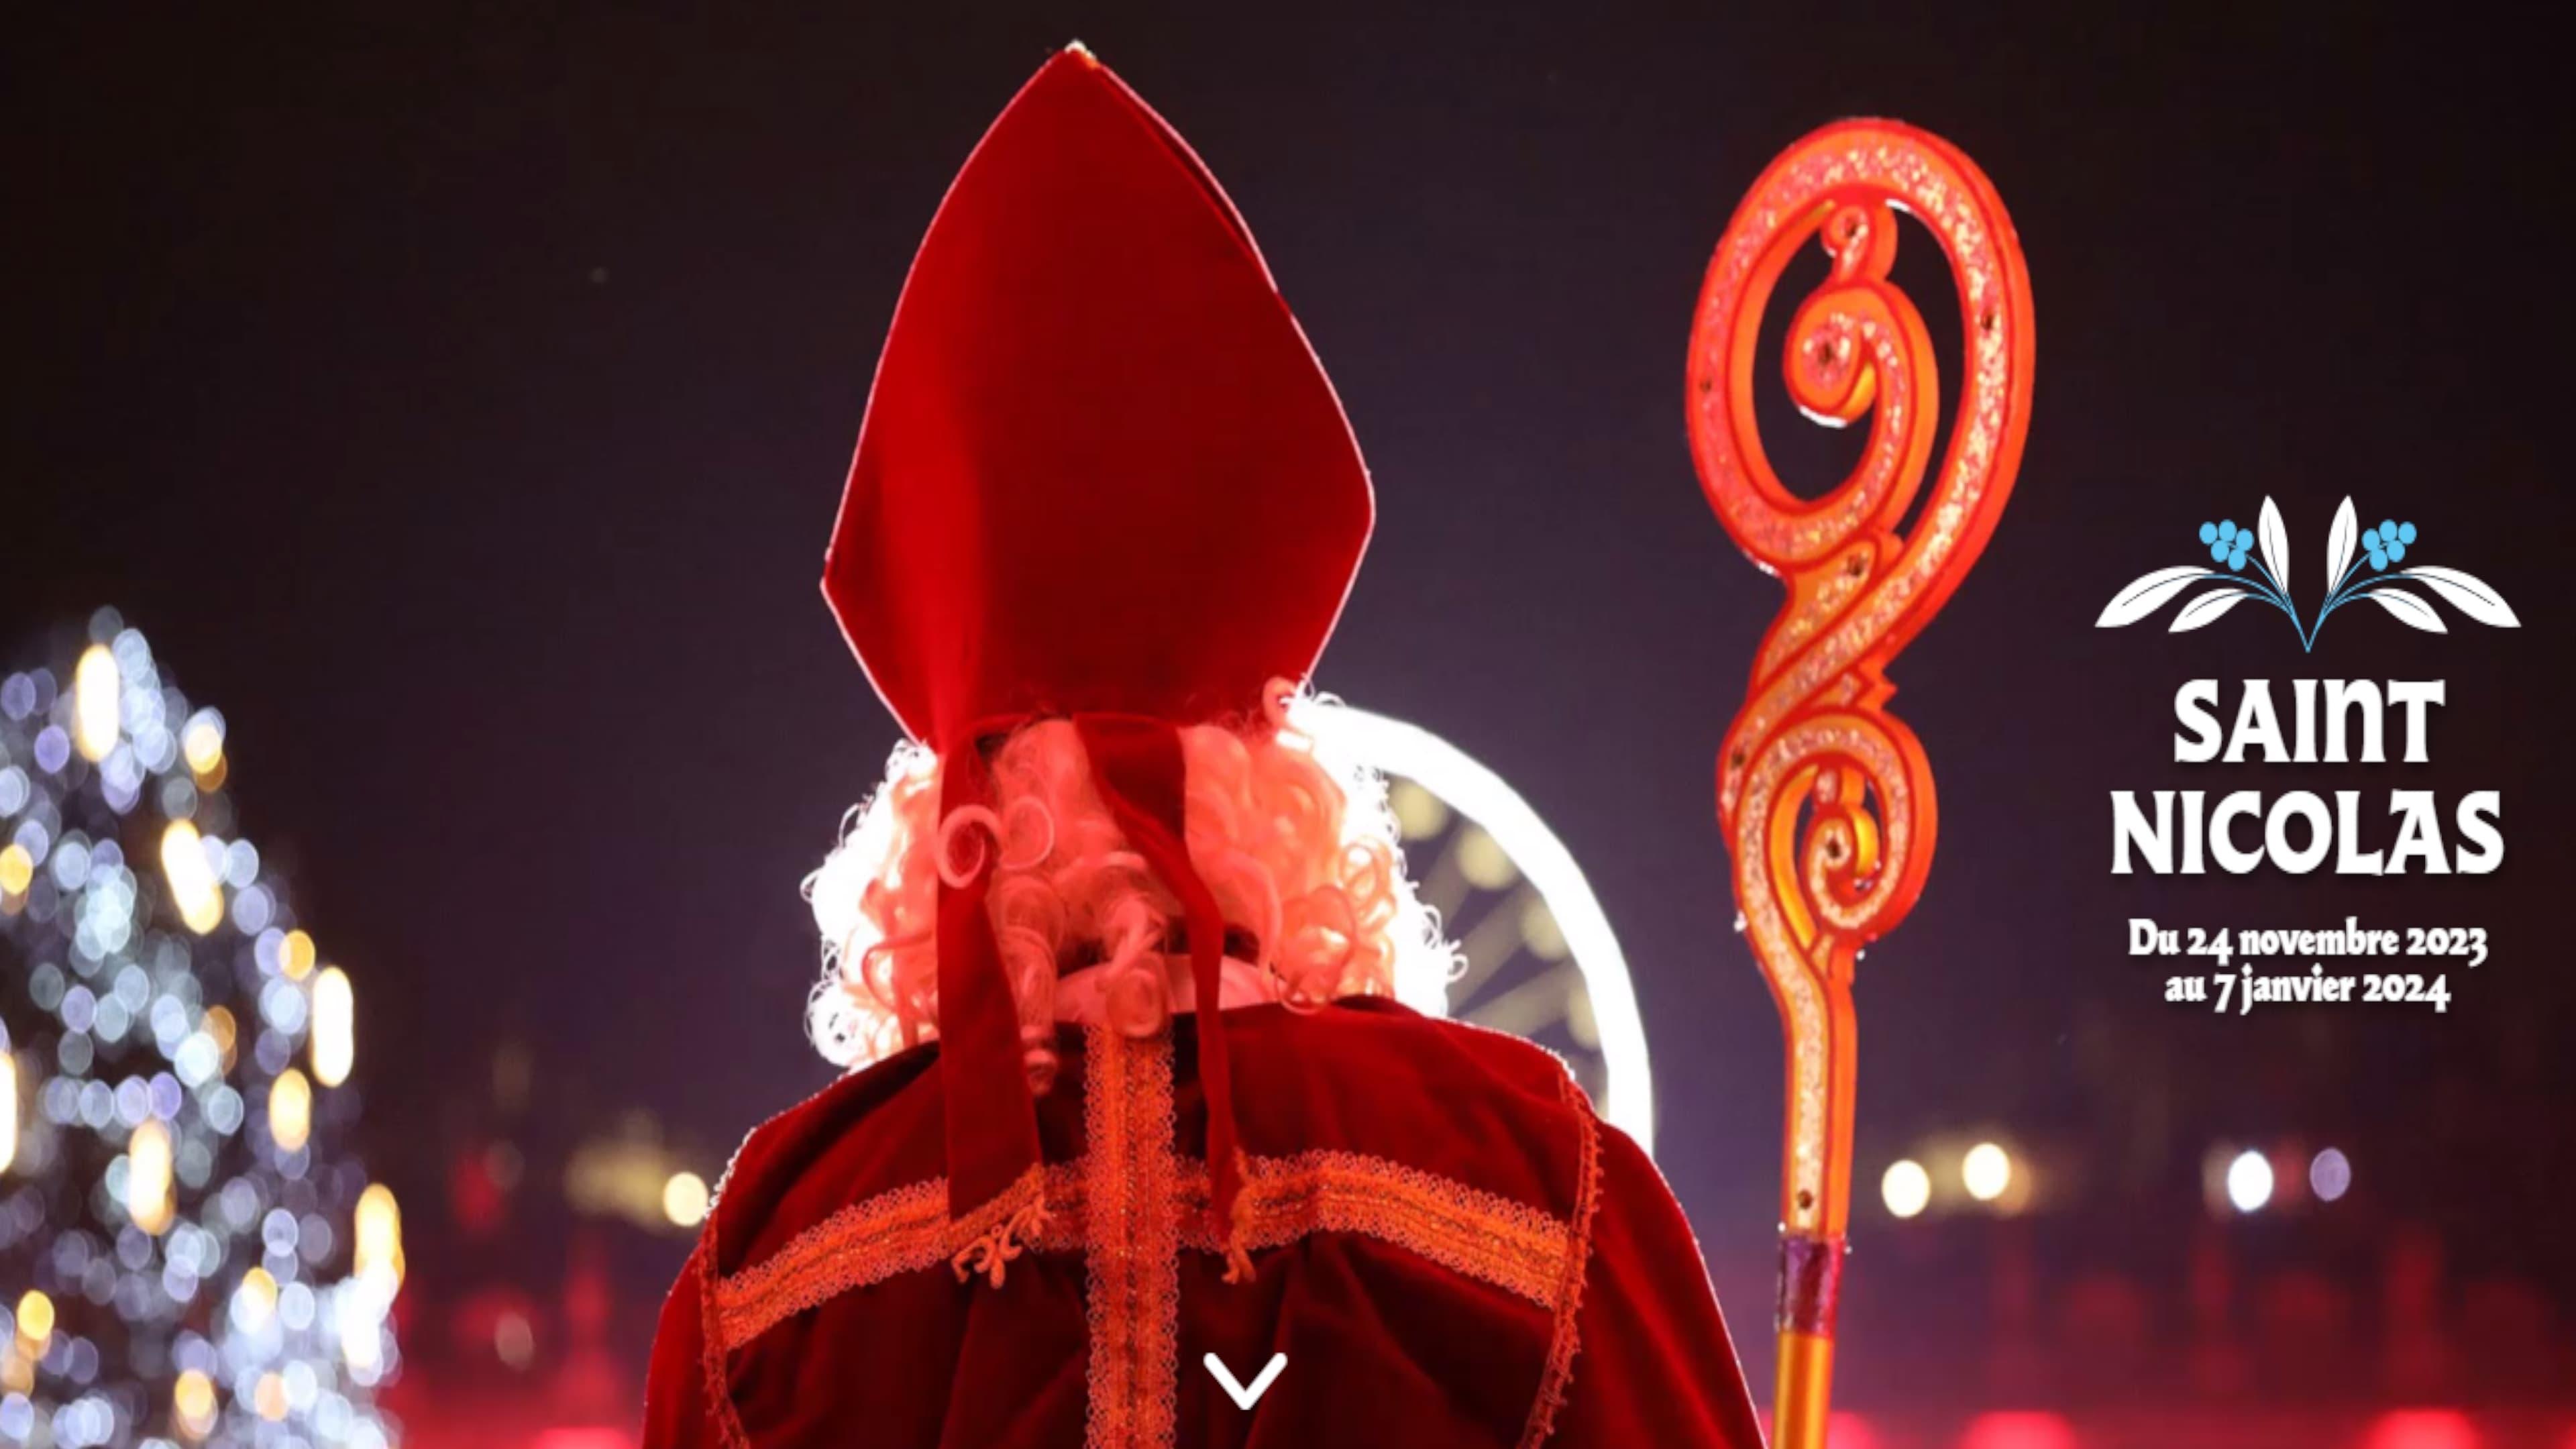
pixel 2018 1430
pixel 1843 1429
pixel 2422 1429
pixel 1849 1431
pixel 584 1438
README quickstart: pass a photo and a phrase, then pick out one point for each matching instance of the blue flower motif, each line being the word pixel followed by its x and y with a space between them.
pixel 2386 544
pixel 2227 543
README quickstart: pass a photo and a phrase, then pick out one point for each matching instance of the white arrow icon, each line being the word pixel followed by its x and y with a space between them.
pixel 1245 1398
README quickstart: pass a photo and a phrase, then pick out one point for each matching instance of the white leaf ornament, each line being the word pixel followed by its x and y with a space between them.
pixel 2205 608
pixel 2408 608
pixel 2145 595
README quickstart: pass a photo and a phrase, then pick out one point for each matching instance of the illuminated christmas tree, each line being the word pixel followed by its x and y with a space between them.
pixel 188 1254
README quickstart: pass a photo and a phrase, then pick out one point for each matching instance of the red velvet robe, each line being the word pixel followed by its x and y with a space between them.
pixel 1448 1245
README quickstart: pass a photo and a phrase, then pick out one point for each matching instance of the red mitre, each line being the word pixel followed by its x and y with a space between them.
pixel 1101 476
pixel 1101 469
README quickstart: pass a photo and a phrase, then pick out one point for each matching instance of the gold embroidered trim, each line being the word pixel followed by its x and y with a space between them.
pixel 1131 1223
pixel 1132 1204
pixel 1566 1341
pixel 900 1231
pixel 1483 1235
pixel 1068 1190
pixel 987 1240
pixel 866 1242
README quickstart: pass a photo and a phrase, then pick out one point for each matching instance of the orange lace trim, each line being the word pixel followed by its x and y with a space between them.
pixel 900 1231
pixel 717 1383
pixel 1566 1341
pixel 867 1242
pixel 1132 1204
pixel 1130 1220
pixel 988 1239
pixel 1483 1235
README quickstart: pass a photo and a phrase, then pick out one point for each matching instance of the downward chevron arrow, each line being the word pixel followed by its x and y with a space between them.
pixel 1245 1398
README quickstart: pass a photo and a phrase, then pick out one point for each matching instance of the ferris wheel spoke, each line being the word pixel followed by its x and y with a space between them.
pixel 1540 958
pixel 1533 1005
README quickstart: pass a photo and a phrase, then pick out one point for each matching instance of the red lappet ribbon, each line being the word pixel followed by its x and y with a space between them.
pixel 996 1182
pixel 1136 766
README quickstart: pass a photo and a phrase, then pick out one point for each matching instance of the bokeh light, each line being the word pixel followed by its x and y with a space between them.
pixel 148 1178
pixel 1986 1171
pixel 2018 1430
pixel 1847 1430
pixel 2249 1181
pixel 335 1016
pixel 2330 1174
pixel 1906 1187
pixel 1483 861
pixel 1418 813
pixel 684 1199
pixel 582 1436
pixel 514 1340
pixel 255 1301
pixel 192 1403
pixel 35 1319
pixel 378 1254
pixel 8 1110
pixel 2422 1429
pixel 290 1111
pixel 202 742
pixel 193 885
pixel 97 700
pixel 178 1265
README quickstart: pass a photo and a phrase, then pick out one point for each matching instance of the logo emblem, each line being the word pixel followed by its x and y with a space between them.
pixel 2349 547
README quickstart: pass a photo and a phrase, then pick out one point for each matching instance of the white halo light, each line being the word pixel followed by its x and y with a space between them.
pixel 1397 748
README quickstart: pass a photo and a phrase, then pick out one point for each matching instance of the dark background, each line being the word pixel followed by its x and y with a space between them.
pixel 460 401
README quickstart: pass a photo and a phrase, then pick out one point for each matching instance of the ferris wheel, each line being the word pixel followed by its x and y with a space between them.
pixel 1541 959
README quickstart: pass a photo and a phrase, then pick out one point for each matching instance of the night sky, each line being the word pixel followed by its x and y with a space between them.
pixel 461 404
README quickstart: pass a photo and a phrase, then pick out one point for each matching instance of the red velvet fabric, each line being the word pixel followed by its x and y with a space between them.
pixel 992 1139
pixel 1386 1347
pixel 1136 765
pixel 1101 470
pixel 1101 475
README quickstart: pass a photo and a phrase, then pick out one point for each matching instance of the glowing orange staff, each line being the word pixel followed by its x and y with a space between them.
pixel 1825 798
